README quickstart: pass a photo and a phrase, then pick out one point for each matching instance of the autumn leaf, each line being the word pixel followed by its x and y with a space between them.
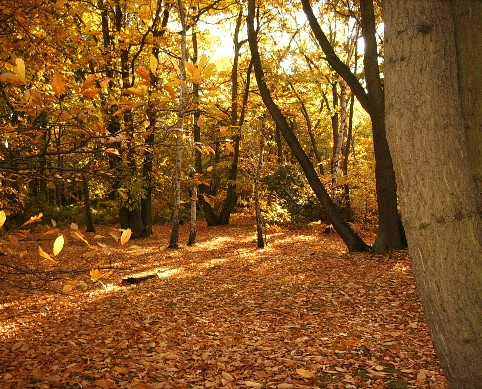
pixel 142 72
pixel 175 83
pixel 91 93
pixel 20 69
pixel 89 82
pixel 33 219
pixel 252 384
pixel 79 236
pixel 134 91
pixel 11 78
pixel 209 70
pixel 203 60
pixel 126 235
pixel 96 275
pixel 69 286
pixel 58 85
pixel 58 245
pixel 74 226
pixel 3 218
pixel 153 62
pixel 306 373
pixel 229 147
pixel 112 151
pixel 43 254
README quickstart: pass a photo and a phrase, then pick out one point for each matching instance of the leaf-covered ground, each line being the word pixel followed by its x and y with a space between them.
pixel 301 313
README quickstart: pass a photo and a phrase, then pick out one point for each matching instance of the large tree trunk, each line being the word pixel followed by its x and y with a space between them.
pixel 427 67
pixel 351 239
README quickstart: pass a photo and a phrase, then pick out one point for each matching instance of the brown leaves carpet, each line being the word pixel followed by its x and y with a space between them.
pixel 301 313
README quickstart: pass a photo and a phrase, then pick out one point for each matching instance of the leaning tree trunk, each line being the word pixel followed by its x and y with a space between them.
pixel 427 67
pixel 351 239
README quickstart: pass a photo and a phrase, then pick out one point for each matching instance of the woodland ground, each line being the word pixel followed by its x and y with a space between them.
pixel 300 313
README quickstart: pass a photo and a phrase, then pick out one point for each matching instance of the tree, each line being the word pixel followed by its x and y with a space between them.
pixel 390 234
pixel 174 239
pixel 433 95
pixel 351 239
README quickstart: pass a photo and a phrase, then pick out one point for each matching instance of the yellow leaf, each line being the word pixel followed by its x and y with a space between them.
pixel 69 286
pixel 20 70
pixel 209 150
pixel 112 151
pixel 105 82
pixel 43 254
pixel 3 217
pixel 33 219
pixel 58 85
pixel 170 90
pixel 123 193
pixel 74 226
pixel 153 62
pixel 229 147
pixel 209 70
pixel 203 60
pixel 306 373
pixel 126 235
pixel 194 71
pixel 91 93
pixel 89 82
pixel 79 236
pixel 142 72
pixel 58 245
pixel 175 83
pixel 209 168
pixel 133 91
pixel 95 274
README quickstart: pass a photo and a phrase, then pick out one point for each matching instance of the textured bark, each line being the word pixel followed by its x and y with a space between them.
pixel 351 239
pixel 88 214
pixel 426 128
pixel 174 238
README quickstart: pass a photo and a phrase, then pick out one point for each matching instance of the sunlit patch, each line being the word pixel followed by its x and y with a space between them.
pixel 400 266
pixel 168 273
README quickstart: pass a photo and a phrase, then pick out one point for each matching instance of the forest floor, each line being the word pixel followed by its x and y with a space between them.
pixel 301 313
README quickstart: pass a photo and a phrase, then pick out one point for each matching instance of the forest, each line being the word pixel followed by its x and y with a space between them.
pixel 236 194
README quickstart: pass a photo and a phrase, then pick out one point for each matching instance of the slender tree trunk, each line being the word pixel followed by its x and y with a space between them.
pixel 259 216
pixel 174 239
pixel 351 239
pixel 88 212
pixel 193 223
pixel 340 139
pixel 428 63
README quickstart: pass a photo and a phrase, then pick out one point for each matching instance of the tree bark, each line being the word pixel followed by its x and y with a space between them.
pixel 428 64
pixel 174 238
pixel 351 239
pixel 260 242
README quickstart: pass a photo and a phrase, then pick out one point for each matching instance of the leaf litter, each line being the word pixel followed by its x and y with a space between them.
pixel 301 313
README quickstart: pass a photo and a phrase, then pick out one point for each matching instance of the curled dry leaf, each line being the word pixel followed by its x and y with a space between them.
pixel 58 245
pixel 126 235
